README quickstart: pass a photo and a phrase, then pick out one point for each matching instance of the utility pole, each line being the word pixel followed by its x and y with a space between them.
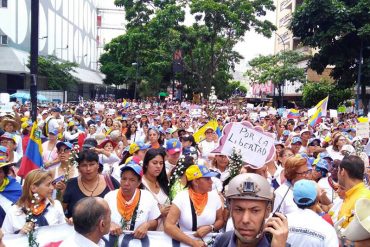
pixel 34 53
pixel 281 84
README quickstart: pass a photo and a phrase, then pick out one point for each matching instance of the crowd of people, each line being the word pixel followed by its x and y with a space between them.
pixel 140 166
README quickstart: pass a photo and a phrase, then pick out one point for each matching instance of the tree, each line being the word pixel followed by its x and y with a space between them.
pixel 313 92
pixel 206 47
pixel 277 68
pixel 58 72
pixel 230 88
pixel 340 30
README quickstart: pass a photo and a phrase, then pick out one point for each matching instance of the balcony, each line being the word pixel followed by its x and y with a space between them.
pixel 285 20
pixel 287 4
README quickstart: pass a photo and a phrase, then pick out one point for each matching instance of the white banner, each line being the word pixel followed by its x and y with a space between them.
pixel 362 130
pixel 53 235
pixel 256 146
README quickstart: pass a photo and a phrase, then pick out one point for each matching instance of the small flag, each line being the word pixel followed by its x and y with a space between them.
pixel 125 104
pixel 293 114
pixel 32 158
pixel 320 112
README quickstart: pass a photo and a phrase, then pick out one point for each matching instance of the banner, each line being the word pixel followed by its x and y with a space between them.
pixel 362 130
pixel 53 235
pixel 256 146
pixel 195 111
pixel 333 113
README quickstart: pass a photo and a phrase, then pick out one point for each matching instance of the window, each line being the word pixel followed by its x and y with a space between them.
pixel 4 4
pixel 3 40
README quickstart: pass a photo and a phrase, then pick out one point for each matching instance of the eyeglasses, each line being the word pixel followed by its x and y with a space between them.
pixel 209 132
pixel 64 151
pixel 304 173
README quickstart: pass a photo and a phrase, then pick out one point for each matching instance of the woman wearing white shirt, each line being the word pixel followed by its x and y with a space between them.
pixel 37 187
pixel 107 156
pixel 130 206
pixel 197 209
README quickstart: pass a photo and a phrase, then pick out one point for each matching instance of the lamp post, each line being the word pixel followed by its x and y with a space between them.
pixel 34 56
pixel 212 100
pixel 281 84
pixel 137 77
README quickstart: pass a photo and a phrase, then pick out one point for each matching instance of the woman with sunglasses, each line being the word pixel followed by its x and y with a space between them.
pixel 295 169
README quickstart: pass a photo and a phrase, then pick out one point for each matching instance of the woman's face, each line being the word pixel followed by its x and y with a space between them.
pixel 64 153
pixel 302 173
pixel 92 130
pixel 108 147
pixel 88 169
pixel 9 127
pixel 222 161
pixel 109 122
pixel 155 166
pixel 45 189
pixel 204 185
pixel 287 154
pixel 124 124
pixel 129 182
pixel 133 128
pixel 145 128
pixel 153 136
pixel 116 126
pixel 341 142
pixel 186 144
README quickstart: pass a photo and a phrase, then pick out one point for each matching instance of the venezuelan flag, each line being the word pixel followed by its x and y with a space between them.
pixel 199 135
pixel 125 104
pixel 293 113
pixel 32 158
pixel 321 108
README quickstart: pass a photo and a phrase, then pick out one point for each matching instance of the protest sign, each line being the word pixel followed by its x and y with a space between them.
pixel 7 107
pixel 250 106
pixel 362 130
pixel 195 111
pixel 54 235
pixel 333 113
pixel 256 146
pixel 4 98
pixel 272 111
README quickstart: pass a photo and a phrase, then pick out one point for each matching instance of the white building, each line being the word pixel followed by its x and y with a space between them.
pixel 68 29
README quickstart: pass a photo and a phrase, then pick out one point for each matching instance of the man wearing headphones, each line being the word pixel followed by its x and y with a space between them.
pixel 250 199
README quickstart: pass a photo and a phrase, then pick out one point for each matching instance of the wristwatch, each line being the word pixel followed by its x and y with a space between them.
pixel 212 228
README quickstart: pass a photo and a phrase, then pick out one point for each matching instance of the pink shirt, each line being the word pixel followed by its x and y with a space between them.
pixel 48 156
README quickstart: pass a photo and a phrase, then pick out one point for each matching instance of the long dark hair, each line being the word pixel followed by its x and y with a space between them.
pixel 129 133
pixel 162 177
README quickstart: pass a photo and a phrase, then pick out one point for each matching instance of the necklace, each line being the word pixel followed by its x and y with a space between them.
pixel 150 182
pixel 91 191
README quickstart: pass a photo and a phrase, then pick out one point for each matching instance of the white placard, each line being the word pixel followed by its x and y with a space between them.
pixel 272 111
pixel 333 113
pixel 263 114
pixel 250 106
pixel 4 98
pixel 253 115
pixel 362 130
pixel 7 107
pixel 256 147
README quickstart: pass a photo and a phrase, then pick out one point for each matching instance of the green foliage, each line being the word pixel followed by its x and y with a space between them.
pixel 276 68
pixel 227 91
pixel 313 92
pixel 156 30
pixel 57 72
pixel 337 28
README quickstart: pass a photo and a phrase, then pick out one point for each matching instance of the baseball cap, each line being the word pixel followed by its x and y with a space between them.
pixel 249 186
pixel 67 144
pixel 89 143
pixel 173 146
pixel 286 132
pixel 323 164
pixel 8 136
pixel 325 155
pixel 296 139
pixel 133 167
pixel 189 151
pixel 276 143
pixel 310 141
pixel 54 132
pixel 136 146
pixel 56 109
pixel 304 192
pixel 198 171
pixel 305 130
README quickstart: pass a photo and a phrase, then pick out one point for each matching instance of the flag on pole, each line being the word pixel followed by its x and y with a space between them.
pixel 293 114
pixel 32 158
pixel 200 135
pixel 320 111
pixel 125 104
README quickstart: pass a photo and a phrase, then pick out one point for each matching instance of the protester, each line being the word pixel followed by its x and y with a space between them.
pixel 88 183
pixel 306 227
pixel 203 204
pixel 134 207
pixel 49 150
pixel 36 201
pixel 90 225
pixel 250 198
pixel 173 151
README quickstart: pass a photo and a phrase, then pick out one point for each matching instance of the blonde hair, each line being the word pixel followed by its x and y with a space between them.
pixel 35 177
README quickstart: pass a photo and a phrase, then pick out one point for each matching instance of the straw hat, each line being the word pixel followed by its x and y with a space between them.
pixel 5 121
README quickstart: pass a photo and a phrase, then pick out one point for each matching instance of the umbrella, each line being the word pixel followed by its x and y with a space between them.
pixel 20 95
pixel 163 94
pixel 41 97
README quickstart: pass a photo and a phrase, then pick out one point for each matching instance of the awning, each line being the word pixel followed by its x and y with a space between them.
pixel 89 76
pixel 13 61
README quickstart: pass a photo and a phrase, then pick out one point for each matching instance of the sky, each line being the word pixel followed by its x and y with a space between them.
pixel 253 45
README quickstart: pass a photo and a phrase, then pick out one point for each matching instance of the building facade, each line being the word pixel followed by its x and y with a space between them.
pixel 68 29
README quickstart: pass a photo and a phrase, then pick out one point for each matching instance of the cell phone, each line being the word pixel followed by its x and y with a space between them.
pixel 58 179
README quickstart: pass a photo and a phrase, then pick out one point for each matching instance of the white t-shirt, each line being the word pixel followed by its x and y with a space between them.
pixel 160 197
pixel 147 210
pixel 208 216
pixel 324 184
pixel 288 205
pixel 207 147
pixel 77 240
pixel 308 229
pixel 15 218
